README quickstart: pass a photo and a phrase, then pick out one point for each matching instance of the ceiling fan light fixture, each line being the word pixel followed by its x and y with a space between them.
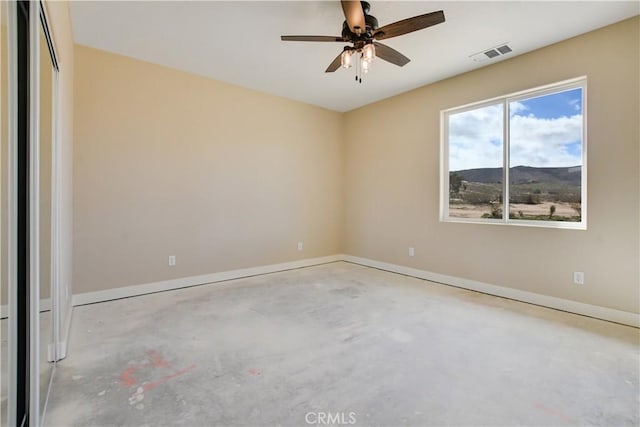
pixel 346 58
pixel 368 52
pixel 365 65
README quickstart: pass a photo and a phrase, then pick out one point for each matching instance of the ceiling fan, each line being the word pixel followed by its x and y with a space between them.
pixel 362 31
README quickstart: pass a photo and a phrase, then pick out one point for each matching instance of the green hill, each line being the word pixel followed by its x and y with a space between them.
pixel 570 176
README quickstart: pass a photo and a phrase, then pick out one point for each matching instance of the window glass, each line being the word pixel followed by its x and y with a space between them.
pixel 475 162
pixel 545 157
pixel 525 151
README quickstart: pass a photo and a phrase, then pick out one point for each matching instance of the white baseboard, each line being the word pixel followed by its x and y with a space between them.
pixel 185 282
pixel 604 313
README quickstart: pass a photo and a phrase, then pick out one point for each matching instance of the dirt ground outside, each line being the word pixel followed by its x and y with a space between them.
pixel 476 211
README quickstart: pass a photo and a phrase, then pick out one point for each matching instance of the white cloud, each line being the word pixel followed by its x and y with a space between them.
pixel 475 139
pixel 545 142
pixel 516 107
pixel 576 104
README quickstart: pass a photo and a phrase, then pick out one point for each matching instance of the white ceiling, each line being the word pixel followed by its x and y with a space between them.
pixel 239 41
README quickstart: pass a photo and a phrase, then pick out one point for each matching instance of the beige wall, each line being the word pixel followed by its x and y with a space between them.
pixel 169 163
pixel 392 179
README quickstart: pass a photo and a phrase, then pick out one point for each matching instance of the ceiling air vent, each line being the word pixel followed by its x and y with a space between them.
pixel 504 49
pixel 491 53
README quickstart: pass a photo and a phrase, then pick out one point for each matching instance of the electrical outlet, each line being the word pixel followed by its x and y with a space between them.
pixel 578 277
pixel 172 260
pixel 412 251
pixel 300 246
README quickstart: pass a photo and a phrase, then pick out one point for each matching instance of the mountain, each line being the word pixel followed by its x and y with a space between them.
pixel 524 175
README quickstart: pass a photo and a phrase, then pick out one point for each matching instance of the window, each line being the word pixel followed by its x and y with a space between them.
pixel 518 159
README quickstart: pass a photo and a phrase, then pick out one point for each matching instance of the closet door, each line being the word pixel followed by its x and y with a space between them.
pixel 28 77
pixel 43 69
pixel 5 35
pixel 45 180
pixel 28 219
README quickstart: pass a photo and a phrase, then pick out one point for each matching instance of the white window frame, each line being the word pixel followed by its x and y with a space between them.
pixel 505 100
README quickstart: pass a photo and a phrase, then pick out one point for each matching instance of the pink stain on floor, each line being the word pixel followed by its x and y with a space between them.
pixel 554 413
pixel 156 361
pixel 254 371
pixel 152 385
pixel 126 377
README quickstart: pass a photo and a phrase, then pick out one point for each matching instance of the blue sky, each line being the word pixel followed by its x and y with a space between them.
pixel 567 103
pixel 545 131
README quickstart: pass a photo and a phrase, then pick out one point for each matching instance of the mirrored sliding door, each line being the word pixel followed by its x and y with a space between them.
pixel 45 129
pixel 4 203
pixel 28 79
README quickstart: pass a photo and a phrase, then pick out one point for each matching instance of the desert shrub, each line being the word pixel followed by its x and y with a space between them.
pixel 455 182
pixel 532 199
pixel 477 198
pixel 496 211
pixel 525 198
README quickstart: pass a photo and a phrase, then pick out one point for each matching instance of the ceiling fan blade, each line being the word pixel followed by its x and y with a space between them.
pixel 390 55
pixel 312 39
pixel 409 25
pixel 354 15
pixel 335 64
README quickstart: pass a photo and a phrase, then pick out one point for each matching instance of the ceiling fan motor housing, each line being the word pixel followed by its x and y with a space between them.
pixel 371 23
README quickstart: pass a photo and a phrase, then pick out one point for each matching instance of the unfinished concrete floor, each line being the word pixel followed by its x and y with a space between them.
pixel 46 368
pixel 341 338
